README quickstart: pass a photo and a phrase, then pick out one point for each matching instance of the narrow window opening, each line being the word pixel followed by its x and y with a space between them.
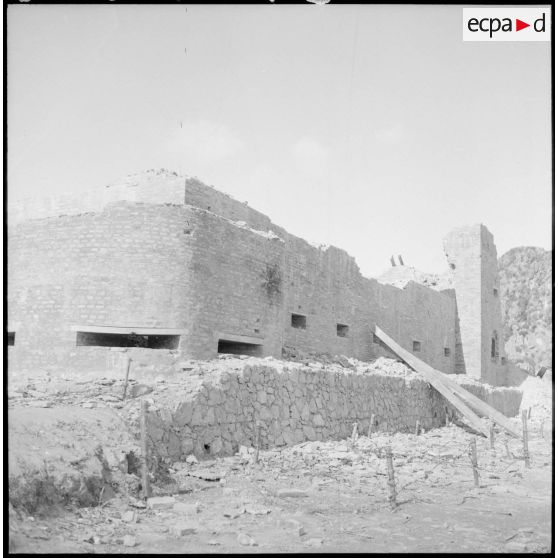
pixel 447 352
pixel 87 338
pixel 10 338
pixel 342 330
pixel 416 346
pixel 207 448
pixel 298 321
pixel 494 349
pixel 237 348
pixel 495 291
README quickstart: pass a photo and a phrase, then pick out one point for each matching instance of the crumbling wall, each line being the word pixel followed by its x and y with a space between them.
pixel 186 267
pixel 294 403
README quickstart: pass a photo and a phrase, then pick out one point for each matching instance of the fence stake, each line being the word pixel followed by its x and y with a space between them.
pixel 391 478
pixel 525 439
pixel 128 363
pixel 417 428
pixel 257 454
pixel 491 434
pixel 144 470
pixel 473 456
pixel 354 435
pixel 372 424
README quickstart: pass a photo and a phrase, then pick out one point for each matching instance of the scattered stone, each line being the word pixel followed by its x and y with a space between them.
pixel 140 389
pixel 183 507
pixel 191 459
pixel 210 476
pixel 129 516
pixel 41 404
pixel 257 510
pixel 140 504
pixel 89 405
pixel 314 542
pixel 129 540
pixel 292 493
pixel 213 542
pixel 246 540
pixel 161 502
pixel 181 529
pixel 245 452
pixel 234 513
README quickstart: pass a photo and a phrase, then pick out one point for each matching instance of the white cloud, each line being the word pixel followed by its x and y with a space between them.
pixel 310 156
pixel 202 142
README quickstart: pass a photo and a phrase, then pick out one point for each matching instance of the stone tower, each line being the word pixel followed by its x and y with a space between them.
pixel 473 261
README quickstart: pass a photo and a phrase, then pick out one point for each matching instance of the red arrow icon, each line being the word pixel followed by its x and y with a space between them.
pixel 519 25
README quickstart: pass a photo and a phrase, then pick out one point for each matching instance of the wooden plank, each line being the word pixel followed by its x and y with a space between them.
pixel 426 371
pixel 480 406
pixel 455 390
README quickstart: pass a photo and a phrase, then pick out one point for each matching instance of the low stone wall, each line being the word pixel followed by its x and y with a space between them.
pixel 216 414
pixel 507 400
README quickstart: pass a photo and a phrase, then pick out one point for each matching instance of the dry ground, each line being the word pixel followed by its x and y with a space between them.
pixel 338 502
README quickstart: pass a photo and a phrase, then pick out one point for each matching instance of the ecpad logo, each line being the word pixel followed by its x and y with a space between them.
pixel 506 24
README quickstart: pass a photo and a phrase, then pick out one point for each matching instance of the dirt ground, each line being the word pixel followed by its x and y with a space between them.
pixel 326 497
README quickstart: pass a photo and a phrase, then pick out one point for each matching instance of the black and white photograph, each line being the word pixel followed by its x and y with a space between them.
pixel 278 278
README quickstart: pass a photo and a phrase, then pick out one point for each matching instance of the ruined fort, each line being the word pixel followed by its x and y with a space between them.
pixel 159 263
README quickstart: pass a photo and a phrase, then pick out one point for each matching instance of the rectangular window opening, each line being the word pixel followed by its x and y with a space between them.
pixel 238 348
pixel 495 291
pixel 342 330
pixel 298 321
pixel 91 339
pixel 447 352
pixel 416 346
pixel 10 338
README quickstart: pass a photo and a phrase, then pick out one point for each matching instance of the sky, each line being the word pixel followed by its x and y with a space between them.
pixel 372 128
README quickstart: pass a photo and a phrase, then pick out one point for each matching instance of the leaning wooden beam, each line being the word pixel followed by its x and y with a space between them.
pixel 452 391
pixel 482 408
pixel 427 372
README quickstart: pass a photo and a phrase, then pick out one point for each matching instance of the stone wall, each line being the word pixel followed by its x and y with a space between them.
pixel 214 269
pixel 215 415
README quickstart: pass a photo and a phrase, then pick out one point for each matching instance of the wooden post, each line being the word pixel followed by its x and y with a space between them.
pixel 473 456
pixel 128 363
pixel 143 432
pixel 391 478
pixel 491 434
pixel 372 424
pixel 257 453
pixel 525 439
pixel 417 428
pixel 354 435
